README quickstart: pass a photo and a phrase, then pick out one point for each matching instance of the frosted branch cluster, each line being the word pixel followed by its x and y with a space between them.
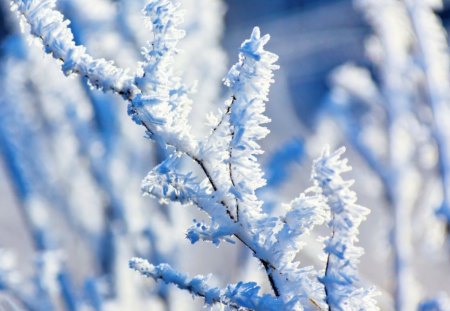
pixel 228 175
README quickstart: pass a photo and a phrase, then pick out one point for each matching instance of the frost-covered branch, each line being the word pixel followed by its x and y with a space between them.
pixel 164 101
pixel 340 278
pixel 249 80
pixel 154 113
pixel 49 25
pixel 241 296
pixel 229 175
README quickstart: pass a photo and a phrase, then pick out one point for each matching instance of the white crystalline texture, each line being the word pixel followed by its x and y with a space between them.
pixel 49 25
pixel 228 175
pixel 165 105
pixel 237 296
pixel 340 279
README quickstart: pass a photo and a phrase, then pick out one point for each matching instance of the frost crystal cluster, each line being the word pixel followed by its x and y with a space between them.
pixel 227 175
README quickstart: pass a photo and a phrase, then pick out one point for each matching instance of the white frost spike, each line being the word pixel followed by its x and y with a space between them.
pixel 249 81
pixel 165 103
pixel 340 279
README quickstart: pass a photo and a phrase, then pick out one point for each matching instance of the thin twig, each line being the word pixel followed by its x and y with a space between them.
pixel 230 155
pixel 327 270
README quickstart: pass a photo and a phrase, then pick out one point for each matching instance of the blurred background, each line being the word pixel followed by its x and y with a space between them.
pixel 371 75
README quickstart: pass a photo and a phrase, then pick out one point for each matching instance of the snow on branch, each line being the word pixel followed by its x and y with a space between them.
pixel 165 183
pixel 163 114
pixel 228 175
pixel 241 296
pixel 231 149
pixel 303 214
pixel 164 101
pixel 50 26
pixel 340 279
pixel 249 81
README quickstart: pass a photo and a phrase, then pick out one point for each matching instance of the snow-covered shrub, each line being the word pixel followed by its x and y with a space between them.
pixel 227 175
